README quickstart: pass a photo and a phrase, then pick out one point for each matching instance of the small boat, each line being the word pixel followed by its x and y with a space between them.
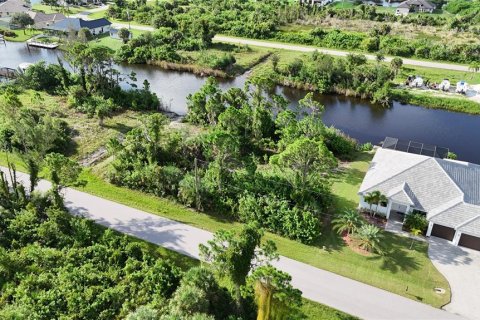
pixel 444 85
pixel 417 82
pixel 462 87
pixel 24 65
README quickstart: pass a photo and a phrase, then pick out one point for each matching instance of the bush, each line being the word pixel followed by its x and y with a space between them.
pixel 279 217
pixel 365 147
pixel 339 143
pixel 416 221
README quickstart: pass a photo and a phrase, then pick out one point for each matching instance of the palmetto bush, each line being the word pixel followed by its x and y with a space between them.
pixel 348 221
pixel 369 238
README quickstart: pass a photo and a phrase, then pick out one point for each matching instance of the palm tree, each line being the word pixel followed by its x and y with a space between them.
pixel 415 233
pixel 368 237
pixel 370 199
pixel 348 221
pixel 380 198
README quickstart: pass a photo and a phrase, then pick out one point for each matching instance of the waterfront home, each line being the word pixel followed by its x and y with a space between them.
pixel 43 20
pixel 408 6
pixel 96 27
pixel 10 7
pixel 446 191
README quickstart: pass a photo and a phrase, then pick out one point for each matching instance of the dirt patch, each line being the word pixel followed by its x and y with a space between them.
pixel 353 244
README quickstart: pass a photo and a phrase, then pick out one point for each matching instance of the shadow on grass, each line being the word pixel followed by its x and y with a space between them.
pixel 120 127
pixel 397 257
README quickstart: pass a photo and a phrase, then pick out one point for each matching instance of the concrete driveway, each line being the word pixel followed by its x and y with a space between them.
pixel 461 267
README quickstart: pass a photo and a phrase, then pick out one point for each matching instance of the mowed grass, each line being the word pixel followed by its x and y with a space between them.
pixel 22 35
pixel 437 75
pixel 114 43
pixel 52 9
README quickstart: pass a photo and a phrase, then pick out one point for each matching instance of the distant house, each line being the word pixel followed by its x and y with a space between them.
pixel 96 27
pixel 10 7
pixel 43 20
pixel 446 191
pixel 408 6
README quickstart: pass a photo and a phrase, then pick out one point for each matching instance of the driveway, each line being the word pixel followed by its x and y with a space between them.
pixel 461 267
pixel 350 296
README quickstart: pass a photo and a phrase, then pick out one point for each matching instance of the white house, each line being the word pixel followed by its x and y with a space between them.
pixel 96 27
pixel 408 6
pixel 447 191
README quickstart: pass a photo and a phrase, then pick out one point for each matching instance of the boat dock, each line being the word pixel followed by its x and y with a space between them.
pixel 33 43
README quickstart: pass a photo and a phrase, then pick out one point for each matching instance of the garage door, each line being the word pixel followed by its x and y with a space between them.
pixel 443 232
pixel 469 241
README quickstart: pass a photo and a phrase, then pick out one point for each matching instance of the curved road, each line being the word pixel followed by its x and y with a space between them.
pixel 344 294
pixel 293 47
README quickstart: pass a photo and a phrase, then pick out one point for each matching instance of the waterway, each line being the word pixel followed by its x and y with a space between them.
pixel 358 118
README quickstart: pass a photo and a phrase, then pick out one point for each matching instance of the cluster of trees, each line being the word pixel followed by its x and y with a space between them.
pixel 379 39
pixel 54 265
pixel 163 44
pixel 246 162
pixel 351 75
pixel 94 88
pixel 245 18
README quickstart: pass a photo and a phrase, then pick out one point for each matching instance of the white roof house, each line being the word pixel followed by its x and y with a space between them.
pixel 408 6
pixel 448 191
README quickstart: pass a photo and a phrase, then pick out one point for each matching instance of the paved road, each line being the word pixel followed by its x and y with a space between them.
pixel 350 296
pixel 461 267
pixel 278 45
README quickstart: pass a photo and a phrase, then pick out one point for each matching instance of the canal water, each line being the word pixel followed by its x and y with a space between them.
pixel 358 118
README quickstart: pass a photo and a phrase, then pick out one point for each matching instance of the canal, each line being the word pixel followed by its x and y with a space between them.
pixel 358 118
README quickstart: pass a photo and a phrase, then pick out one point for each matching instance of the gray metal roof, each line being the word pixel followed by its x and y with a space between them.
pixel 448 190
pixel 420 3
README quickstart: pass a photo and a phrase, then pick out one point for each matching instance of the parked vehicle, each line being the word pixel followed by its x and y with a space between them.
pixel 462 87
pixel 444 85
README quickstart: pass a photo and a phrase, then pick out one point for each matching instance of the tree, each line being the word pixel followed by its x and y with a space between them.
pixel 143 313
pixel 22 20
pixel 375 198
pixel 414 233
pixel 368 237
pixel 234 255
pixel 305 158
pixel 379 57
pixel 396 64
pixel 199 292
pixel 275 60
pixel 62 171
pixel 124 34
pixel 275 296
pixel 348 221
pixel 84 35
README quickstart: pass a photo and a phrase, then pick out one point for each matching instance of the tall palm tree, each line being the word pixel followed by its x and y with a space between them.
pixel 380 198
pixel 348 221
pixel 368 237
pixel 370 199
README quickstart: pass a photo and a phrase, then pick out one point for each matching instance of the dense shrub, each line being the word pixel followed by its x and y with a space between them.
pixel 416 221
pixel 278 216
pixel 339 143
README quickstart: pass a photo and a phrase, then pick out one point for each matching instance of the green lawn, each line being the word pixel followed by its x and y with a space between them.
pixel 437 75
pixel 67 11
pixel 114 43
pixel 22 35
pixel 98 14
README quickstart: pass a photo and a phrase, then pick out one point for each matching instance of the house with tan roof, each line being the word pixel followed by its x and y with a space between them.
pixel 446 191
